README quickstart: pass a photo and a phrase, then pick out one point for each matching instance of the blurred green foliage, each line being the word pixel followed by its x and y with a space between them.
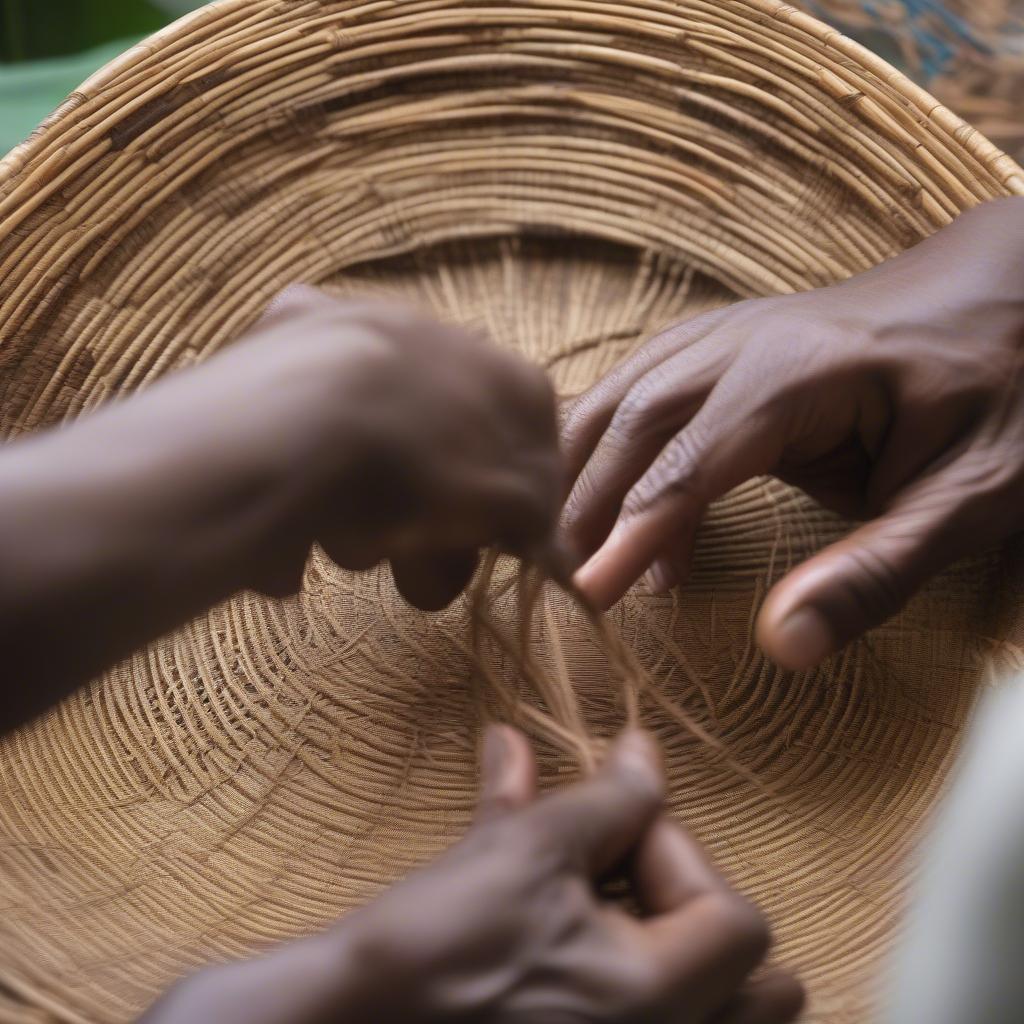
pixel 49 47
pixel 31 91
pixel 34 29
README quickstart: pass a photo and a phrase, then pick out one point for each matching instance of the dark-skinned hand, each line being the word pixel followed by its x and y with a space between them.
pixel 364 426
pixel 895 397
pixel 452 442
pixel 507 927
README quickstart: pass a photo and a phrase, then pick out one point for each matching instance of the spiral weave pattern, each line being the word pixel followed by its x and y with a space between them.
pixel 570 175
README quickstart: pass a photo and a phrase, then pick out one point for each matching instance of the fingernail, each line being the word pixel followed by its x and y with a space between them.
pixel 803 638
pixel 637 747
pixel 583 577
pixel 495 751
pixel 660 578
pixel 588 578
pixel 637 753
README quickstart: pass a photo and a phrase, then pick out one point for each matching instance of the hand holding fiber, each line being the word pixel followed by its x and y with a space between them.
pixel 431 444
pixel 895 397
pixel 507 927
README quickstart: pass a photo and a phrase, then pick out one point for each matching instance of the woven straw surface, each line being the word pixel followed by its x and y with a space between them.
pixel 571 174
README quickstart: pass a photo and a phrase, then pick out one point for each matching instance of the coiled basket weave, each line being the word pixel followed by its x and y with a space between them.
pixel 570 174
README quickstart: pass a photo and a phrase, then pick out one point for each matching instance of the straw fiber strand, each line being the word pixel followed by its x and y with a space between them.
pixel 570 175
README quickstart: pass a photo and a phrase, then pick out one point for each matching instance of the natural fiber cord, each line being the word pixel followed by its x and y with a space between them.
pixel 569 174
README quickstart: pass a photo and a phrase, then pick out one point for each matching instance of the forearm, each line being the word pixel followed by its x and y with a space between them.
pixel 119 528
pixel 318 980
pixel 375 431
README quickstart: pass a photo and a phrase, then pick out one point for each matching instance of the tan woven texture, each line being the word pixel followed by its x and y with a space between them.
pixel 570 174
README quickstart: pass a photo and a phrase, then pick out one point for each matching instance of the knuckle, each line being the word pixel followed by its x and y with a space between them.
pixel 675 474
pixel 576 420
pixel 525 387
pixel 685 333
pixel 641 982
pixel 991 478
pixel 681 458
pixel 580 499
pixel 540 399
pixel 744 927
pixel 635 409
pixel 980 380
pixel 977 499
pixel 790 998
pixel 639 500
pixel 571 418
pixel 874 586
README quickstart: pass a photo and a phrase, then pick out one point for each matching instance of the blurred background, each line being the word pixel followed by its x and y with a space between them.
pixel 969 53
pixel 49 47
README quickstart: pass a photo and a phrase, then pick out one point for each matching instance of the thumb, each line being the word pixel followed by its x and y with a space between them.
pixel 508 773
pixel 864 579
pixel 602 819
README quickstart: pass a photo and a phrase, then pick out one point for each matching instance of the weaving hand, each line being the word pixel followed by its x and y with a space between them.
pixel 894 397
pixel 442 444
pixel 508 927
pixel 376 432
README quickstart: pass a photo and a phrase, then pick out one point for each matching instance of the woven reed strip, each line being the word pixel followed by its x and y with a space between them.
pixel 569 174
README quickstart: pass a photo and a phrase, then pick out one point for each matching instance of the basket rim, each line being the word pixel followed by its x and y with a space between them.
pixel 1001 164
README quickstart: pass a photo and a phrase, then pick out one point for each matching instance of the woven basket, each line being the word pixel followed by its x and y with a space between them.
pixel 570 174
